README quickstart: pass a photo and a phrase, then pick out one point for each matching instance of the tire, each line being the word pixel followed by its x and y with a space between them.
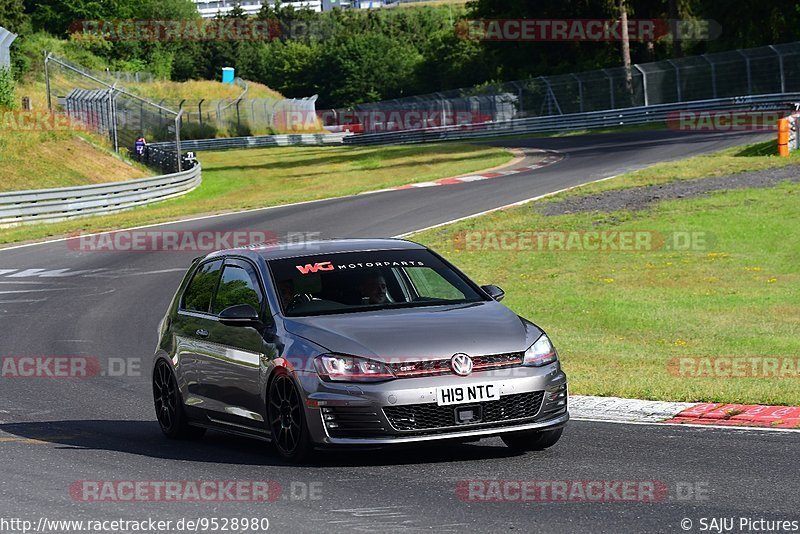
pixel 287 420
pixel 537 440
pixel 169 405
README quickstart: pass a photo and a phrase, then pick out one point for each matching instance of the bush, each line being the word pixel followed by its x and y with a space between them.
pixel 193 130
pixel 8 96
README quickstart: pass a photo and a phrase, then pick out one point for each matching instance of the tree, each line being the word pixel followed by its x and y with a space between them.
pixel 7 93
pixel 367 67
pixel 12 15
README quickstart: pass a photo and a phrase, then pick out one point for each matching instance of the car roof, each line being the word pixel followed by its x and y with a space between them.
pixel 313 248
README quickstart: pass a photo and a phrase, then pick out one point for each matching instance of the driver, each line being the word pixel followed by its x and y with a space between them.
pixel 286 292
pixel 373 289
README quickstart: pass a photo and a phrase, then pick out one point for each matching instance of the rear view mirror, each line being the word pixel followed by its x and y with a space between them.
pixel 239 315
pixel 495 292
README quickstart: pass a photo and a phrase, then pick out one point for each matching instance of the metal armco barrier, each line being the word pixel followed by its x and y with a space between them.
pixel 259 141
pixel 577 121
pixel 53 205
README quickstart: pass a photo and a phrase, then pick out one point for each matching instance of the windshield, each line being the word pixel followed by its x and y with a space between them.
pixel 359 281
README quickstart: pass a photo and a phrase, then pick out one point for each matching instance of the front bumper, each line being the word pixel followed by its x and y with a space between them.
pixel 405 410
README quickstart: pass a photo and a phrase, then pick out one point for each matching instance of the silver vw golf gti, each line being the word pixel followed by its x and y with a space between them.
pixel 351 342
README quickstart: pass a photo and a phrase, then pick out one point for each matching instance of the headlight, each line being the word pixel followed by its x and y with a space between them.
pixel 338 368
pixel 540 353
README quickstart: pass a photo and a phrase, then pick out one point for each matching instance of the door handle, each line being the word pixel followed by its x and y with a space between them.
pixel 202 333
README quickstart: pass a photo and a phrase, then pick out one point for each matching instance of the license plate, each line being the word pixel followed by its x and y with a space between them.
pixel 445 396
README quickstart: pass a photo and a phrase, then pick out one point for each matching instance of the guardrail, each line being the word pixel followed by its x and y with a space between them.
pixel 53 205
pixel 576 121
pixel 259 141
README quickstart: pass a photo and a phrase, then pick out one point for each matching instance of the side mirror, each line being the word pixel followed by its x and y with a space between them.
pixel 239 315
pixel 495 292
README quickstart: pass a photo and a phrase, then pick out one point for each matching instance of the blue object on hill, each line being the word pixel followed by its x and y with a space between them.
pixel 227 75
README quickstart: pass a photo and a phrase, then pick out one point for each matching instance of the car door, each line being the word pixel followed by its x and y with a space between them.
pixel 230 375
pixel 192 325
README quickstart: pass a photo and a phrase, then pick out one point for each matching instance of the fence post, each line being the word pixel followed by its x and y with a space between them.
pixel 644 84
pixel 713 75
pixel 200 110
pixel 238 119
pixel 178 138
pixel 112 106
pixel 47 80
pixel 677 79
pixel 580 91
pixel 610 88
pixel 749 75
pixel 780 64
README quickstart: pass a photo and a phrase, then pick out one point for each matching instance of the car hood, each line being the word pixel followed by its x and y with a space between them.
pixel 420 333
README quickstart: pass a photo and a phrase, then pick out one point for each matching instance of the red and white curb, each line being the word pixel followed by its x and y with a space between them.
pixel 615 409
pixel 549 158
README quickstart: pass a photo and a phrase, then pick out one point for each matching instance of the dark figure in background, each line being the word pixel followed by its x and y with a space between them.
pixel 139 147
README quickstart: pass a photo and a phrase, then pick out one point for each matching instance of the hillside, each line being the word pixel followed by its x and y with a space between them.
pixel 38 160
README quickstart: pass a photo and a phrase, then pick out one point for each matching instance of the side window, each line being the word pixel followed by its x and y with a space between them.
pixel 239 285
pixel 197 296
pixel 431 285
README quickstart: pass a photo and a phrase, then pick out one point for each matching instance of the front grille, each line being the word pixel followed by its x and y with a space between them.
pixel 352 421
pixel 414 417
pixel 442 367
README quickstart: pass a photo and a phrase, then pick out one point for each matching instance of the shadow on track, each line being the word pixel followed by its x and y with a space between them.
pixel 143 438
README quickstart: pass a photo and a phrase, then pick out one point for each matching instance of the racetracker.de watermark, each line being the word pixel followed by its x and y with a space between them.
pixel 147 240
pixel 735 367
pixel 193 491
pixel 725 121
pixel 70 367
pixel 582 241
pixel 580 491
pixel 149 30
pixel 46 121
pixel 381 119
pixel 599 30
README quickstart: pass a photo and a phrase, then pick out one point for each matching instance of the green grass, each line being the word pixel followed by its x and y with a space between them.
pixel 196 90
pixel 754 157
pixel 38 160
pixel 243 179
pixel 619 318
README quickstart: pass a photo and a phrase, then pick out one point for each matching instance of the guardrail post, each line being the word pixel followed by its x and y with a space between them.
pixel 780 65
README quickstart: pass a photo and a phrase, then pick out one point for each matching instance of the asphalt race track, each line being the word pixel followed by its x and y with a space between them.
pixel 56 301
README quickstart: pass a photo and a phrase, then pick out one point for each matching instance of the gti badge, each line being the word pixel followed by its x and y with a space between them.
pixel 461 364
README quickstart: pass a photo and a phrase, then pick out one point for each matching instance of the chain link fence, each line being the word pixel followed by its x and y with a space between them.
pixel 207 119
pixel 98 103
pixel 766 70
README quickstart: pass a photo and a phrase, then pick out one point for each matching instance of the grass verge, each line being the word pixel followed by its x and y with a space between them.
pixel 38 160
pixel 622 320
pixel 244 179
pixel 753 157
